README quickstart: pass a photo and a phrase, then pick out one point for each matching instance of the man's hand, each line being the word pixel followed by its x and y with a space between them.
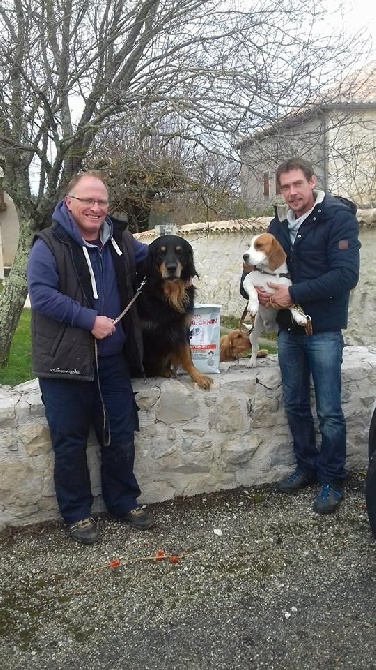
pixel 281 295
pixel 263 296
pixel 103 326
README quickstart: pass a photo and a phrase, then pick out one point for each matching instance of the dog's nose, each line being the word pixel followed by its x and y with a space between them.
pixel 171 268
pixel 246 258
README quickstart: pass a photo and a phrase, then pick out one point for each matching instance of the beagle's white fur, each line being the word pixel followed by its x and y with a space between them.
pixel 269 260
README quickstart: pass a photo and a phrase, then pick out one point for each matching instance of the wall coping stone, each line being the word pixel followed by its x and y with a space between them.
pixel 365 217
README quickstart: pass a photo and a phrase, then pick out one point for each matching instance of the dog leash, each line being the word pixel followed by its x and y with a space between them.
pixel 243 317
pixel 125 310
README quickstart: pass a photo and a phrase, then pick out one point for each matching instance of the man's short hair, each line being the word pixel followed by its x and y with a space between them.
pixel 295 163
pixel 77 177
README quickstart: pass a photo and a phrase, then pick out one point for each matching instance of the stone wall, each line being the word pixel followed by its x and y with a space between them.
pixel 190 441
pixel 218 250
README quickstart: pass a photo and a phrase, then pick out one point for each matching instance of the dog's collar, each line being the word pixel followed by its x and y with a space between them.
pixel 273 274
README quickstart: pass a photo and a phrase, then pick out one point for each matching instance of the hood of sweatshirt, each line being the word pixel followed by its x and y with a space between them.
pixel 63 216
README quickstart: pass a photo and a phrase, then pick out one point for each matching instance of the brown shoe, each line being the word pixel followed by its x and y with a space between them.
pixel 84 531
pixel 138 518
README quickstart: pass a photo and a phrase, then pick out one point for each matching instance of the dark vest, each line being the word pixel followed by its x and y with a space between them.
pixel 63 351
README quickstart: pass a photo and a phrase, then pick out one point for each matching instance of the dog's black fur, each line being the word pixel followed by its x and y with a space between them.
pixel 165 308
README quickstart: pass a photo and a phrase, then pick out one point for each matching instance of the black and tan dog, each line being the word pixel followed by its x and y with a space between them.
pixel 165 308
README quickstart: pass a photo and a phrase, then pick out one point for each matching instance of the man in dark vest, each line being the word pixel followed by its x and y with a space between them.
pixel 81 275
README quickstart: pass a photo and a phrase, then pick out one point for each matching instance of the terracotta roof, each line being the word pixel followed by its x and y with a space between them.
pixel 356 88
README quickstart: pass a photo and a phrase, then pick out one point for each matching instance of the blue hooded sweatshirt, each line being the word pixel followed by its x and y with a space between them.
pixel 43 281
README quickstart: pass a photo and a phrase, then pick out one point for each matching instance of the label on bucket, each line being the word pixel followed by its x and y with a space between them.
pixel 204 336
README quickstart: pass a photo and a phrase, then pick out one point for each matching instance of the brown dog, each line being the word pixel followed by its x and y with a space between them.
pixel 235 343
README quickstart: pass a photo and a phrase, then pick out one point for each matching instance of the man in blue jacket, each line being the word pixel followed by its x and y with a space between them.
pixel 320 238
pixel 81 275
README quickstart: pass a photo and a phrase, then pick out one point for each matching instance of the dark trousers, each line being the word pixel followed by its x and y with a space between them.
pixel 71 407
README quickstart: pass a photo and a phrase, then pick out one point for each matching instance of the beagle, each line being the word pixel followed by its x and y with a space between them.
pixel 269 261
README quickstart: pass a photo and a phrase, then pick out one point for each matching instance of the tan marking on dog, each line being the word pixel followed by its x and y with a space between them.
pixel 175 292
pixel 272 249
pixel 183 357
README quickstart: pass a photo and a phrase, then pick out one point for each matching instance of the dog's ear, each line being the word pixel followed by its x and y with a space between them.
pixel 225 348
pixel 148 267
pixel 189 269
pixel 277 255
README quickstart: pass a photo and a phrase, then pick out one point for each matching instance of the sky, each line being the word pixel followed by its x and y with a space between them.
pixel 358 15
pixel 361 13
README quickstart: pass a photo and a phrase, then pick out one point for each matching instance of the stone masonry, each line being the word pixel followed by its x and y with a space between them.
pixel 190 441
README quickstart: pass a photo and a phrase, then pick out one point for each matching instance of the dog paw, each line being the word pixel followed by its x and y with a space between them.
pixel 204 382
pixel 299 317
pixel 253 308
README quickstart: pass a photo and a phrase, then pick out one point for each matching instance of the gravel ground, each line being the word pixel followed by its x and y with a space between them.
pixel 262 582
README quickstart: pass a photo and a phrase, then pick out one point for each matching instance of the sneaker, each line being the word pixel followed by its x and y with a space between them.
pixel 294 481
pixel 328 499
pixel 85 531
pixel 138 518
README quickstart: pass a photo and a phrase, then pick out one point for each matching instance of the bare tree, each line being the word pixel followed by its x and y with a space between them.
pixel 163 175
pixel 70 67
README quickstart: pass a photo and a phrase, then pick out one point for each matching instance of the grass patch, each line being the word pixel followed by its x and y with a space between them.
pixel 267 341
pixel 18 367
pixel 231 322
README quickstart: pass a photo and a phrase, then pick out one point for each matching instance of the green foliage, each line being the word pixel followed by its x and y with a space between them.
pixel 18 367
pixel 268 339
pixel 240 210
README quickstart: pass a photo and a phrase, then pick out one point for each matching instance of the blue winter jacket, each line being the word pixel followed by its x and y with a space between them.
pixel 323 262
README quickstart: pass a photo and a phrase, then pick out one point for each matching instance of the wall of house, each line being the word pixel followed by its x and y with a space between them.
pixel 190 441
pixel 262 156
pixel 351 160
pixel 340 145
pixel 9 229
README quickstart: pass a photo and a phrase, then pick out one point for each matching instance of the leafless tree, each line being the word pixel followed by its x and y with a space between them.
pixel 162 175
pixel 68 68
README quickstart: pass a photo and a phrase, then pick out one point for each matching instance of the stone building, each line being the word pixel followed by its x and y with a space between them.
pixel 9 229
pixel 337 135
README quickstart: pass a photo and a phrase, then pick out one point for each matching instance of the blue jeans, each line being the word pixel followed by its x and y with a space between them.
pixel 71 407
pixel 320 356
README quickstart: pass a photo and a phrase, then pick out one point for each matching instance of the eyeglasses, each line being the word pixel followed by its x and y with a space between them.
pixel 90 202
